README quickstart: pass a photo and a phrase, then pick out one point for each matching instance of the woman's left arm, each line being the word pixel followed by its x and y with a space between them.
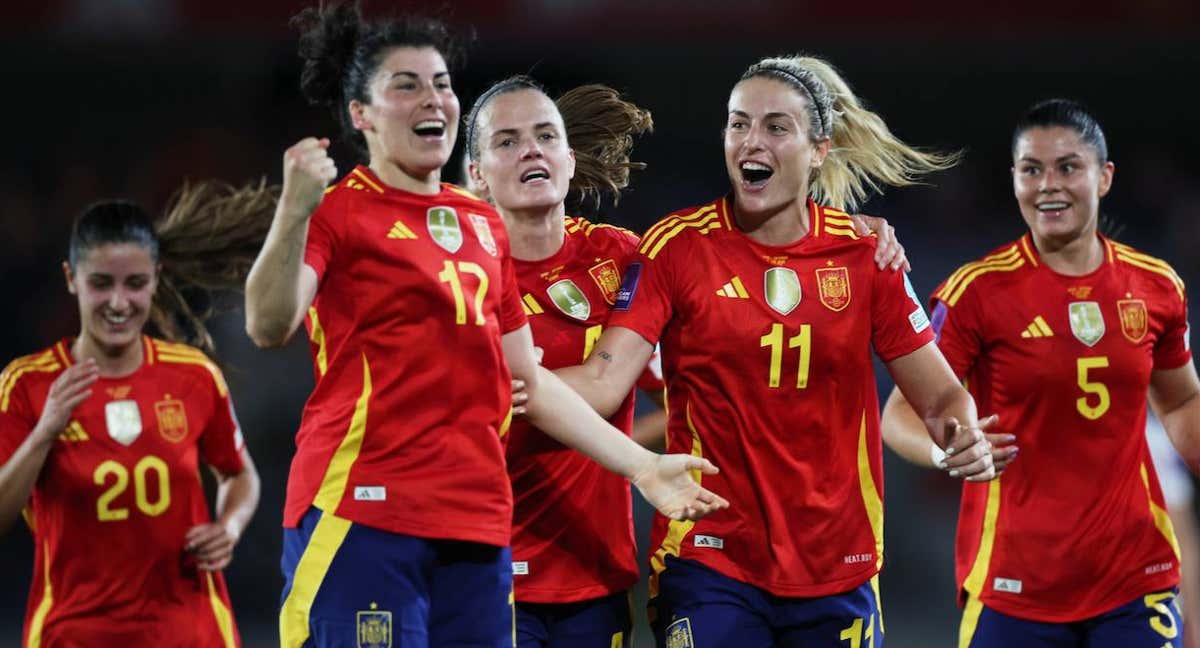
pixel 237 499
pixel 1175 397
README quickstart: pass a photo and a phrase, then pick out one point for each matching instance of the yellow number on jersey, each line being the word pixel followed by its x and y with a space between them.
pixel 1098 389
pixel 149 463
pixel 450 274
pixel 774 340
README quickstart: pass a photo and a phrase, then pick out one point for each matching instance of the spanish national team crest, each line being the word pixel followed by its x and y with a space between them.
pixel 570 299
pixel 172 419
pixel 679 634
pixel 782 288
pixel 374 628
pixel 834 287
pixel 608 278
pixel 1087 324
pixel 123 420
pixel 483 230
pixel 1134 320
pixel 442 223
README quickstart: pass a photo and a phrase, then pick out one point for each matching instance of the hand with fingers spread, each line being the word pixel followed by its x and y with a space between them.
pixel 67 391
pixel 668 484
pixel 307 170
pixel 968 451
pixel 888 251
pixel 212 545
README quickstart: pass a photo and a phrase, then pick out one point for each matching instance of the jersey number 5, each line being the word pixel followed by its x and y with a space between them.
pixel 109 468
pixel 1097 389
pixel 774 340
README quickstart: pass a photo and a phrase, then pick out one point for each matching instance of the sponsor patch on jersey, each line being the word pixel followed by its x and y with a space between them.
pixel 918 319
pixel 608 278
pixel 711 542
pixel 374 628
pixel 370 493
pixel 483 231
pixel 1087 323
pixel 833 286
pixel 520 568
pixel 172 419
pixel 1007 585
pixel 1134 319
pixel 781 287
pixel 629 286
pixel 442 223
pixel 570 299
pixel 123 420
pixel 679 634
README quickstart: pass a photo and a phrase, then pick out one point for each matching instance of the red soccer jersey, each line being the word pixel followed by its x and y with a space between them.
pixel 767 359
pixel 118 492
pixel 402 431
pixel 572 519
pixel 1076 526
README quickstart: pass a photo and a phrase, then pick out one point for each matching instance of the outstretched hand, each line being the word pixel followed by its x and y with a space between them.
pixel 671 483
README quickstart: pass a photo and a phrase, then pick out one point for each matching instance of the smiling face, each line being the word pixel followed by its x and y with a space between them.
pixel 524 161
pixel 411 119
pixel 114 284
pixel 769 153
pixel 1059 180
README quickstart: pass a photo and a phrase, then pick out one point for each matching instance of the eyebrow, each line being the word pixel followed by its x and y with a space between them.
pixel 770 115
pixel 414 75
pixel 514 131
pixel 1064 158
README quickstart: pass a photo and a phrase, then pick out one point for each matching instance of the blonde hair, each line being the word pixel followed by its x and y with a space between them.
pixel 864 155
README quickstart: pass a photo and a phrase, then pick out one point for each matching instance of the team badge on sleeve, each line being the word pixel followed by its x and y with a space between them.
pixel 483 231
pixel 1087 324
pixel 570 299
pixel 833 285
pixel 172 419
pixel 123 420
pixel 629 285
pixel 782 289
pixel 374 628
pixel 442 223
pixel 918 319
pixel 1134 321
pixel 679 634
pixel 608 278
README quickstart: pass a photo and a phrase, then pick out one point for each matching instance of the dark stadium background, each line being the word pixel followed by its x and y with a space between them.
pixel 130 97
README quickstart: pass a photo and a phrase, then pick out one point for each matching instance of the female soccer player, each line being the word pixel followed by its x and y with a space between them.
pixel 1060 333
pixel 101 435
pixel 768 305
pixel 399 509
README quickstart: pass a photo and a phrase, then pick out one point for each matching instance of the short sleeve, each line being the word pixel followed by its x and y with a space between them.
pixel 959 331
pixel 17 416
pixel 512 314
pixel 1173 349
pixel 899 324
pixel 644 300
pixel 221 443
pixel 322 238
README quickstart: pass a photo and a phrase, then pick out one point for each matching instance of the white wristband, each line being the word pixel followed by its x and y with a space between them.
pixel 937 455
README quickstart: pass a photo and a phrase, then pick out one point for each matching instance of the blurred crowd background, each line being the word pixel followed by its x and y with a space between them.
pixel 130 98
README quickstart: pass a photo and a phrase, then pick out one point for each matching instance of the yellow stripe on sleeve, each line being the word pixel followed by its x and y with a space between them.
pixel 333 485
pixel 367 181
pixel 1000 257
pixel 42 364
pixel 1151 264
pixel 952 298
pixel 314 563
pixel 979 569
pixel 705 225
pixel 653 234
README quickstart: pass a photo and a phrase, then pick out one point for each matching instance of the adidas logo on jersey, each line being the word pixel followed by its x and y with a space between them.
pixel 733 289
pixel 401 231
pixel 74 432
pixel 1037 329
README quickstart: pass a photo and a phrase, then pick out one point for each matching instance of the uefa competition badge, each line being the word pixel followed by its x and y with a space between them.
pixel 123 420
pixel 1087 324
pixel 442 223
pixel 782 288
pixel 570 299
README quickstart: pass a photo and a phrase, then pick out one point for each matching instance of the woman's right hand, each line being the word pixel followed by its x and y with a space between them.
pixel 670 484
pixel 71 388
pixel 307 170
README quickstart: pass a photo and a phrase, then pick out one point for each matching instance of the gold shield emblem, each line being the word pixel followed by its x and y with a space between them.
pixel 172 419
pixel 608 278
pixel 782 289
pixel 483 231
pixel 833 285
pixel 1134 319
pixel 374 628
pixel 442 223
pixel 679 634
pixel 570 299
pixel 1087 324
pixel 123 420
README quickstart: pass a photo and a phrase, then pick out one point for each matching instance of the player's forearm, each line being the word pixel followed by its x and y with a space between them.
pixel 272 287
pixel 593 386
pixel 1182 424
pixel 237 499
pixel 905 433
pixel 558 411
pixel 19 475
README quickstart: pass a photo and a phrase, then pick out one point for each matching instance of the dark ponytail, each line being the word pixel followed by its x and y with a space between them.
pixel 1067 114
